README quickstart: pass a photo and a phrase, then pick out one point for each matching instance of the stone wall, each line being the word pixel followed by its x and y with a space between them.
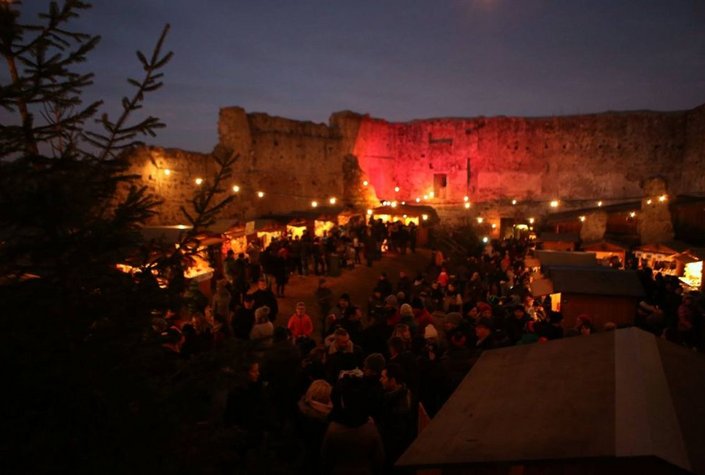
pixel 576 159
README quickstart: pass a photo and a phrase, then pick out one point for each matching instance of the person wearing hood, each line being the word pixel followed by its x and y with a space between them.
pixel 313 410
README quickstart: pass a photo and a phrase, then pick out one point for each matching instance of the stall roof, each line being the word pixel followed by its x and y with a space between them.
pixel 622 397
pixel 667 247
pixel 596 281
pixel 558 237
pixel 566 258
pixel 605 245
pixel 695 254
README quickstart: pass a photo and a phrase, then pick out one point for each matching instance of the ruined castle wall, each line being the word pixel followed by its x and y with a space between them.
pixel 576 159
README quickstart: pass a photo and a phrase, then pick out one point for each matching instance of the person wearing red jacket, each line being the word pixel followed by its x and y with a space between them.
pixel 300 324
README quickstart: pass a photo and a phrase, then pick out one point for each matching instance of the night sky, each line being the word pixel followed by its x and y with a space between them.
pixel 399 60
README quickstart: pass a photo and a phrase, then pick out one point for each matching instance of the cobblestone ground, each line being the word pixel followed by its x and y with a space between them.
pixel 357 282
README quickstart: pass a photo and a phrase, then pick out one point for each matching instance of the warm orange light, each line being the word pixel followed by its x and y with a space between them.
pixel 663 198
pixel 314 204
pixel 494 226
pixel 467 205
pixel 599 203
pixel 424 217
pixel 236 189
pixel 365 183
pixel 332 200
pixel 480 220
pixel 582 218
pixel 531 220
pixel 260 194
pixel 632 214
pixel 514 202
pixel 396 189
pixel 554 204
pixel 199 181
pixel 394 204
pixel 649 201
pixel 167 172
pixel 466 198
pixel 418 200
pixel 369 212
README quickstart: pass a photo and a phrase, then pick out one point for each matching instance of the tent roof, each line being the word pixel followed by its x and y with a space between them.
pixel 565 258
pixel 596 281
pixel 613 396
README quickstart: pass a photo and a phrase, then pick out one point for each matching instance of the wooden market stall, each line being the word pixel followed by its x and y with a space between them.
pixel 558 241
pixel 691 261
pixel 608 253
pixel 615 403
pixel 604 294
pixel 660 257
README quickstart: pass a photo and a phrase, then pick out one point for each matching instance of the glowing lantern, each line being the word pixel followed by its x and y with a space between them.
pixel 394 204
pixel 599 203
pixel 494 226
pixel 514 202
pixel 418 200
pixel 199 181
pixel 236 189
pixel 467 205
pixel 648 202
pixel 582 218
pixel 396 189
pixel 485 239
pixel 260 194
pixel 314 204
pixel 480 220
pixel 365 183
pixel 431 194
pixel 531 220
pixel 424 217
pixel 167 172
pixel 403 203
pixel 632 214
pixel 554 204
pixel 466 199
pixel 662 198
pixel 332 200
pixel 369 212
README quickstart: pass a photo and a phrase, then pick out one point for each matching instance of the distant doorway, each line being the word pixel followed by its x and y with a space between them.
pixel 440 185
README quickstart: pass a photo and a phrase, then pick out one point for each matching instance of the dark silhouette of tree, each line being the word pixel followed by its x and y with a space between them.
pixel 88 386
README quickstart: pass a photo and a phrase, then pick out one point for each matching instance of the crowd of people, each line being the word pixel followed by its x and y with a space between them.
pixel 352 392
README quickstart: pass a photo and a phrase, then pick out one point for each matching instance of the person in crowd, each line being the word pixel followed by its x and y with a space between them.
pixel 301 327
pixel 372 369
pixel 264 296
pixel 263 329
pixel 401 355
pixel 244 318
pixel 313 410
pixel 248 407
pixel 342 355
pixel 324 300
pixel 352 443
pixel 398 416
pixel 281 367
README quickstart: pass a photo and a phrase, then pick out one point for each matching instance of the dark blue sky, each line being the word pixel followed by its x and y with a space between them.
pixel 402 59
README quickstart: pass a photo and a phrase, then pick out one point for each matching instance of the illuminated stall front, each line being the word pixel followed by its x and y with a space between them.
pixel 660 257
pixel 692 265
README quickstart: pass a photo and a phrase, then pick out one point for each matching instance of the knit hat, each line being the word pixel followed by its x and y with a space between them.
pixel 262 313
pixel 391 300
pixel 454 318
pixel 406 311
pixel 430 332
pixel 375 362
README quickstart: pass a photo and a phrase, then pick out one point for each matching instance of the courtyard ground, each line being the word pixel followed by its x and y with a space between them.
pixel 357 282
